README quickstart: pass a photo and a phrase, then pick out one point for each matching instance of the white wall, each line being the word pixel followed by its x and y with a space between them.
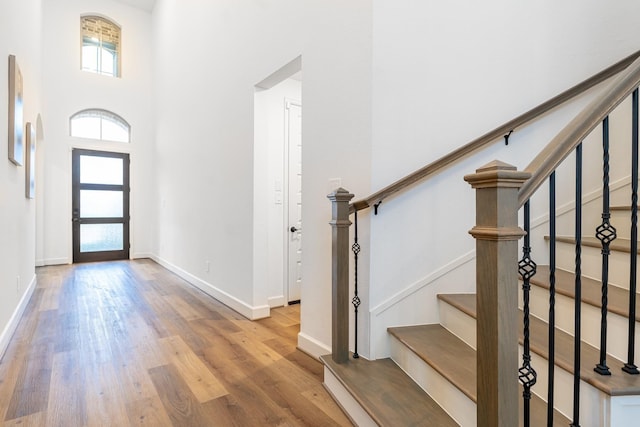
pixel 388 87
pixel 209 56
pixel 444 74
pixel 68 90
pixel 270 231
pixel 20 35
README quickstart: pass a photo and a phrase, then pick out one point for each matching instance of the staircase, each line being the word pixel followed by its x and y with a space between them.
pixel 430 378
pixel 435 372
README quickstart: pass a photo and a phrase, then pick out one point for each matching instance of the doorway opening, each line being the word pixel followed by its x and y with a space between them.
pixel 100 205
pixel 293 171
pixel 278 230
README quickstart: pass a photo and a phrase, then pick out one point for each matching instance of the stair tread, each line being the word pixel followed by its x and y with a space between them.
pixel 456 361
pixel 619 244
pixel 445 352
pixel 618 384
pixel 388 395
pixel 618 298
pixel 620 208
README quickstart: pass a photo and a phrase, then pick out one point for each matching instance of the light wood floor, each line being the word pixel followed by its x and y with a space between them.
pixel 130 344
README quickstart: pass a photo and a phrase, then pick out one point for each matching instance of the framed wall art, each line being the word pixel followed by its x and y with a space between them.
pixel 16 144
pixel 30 161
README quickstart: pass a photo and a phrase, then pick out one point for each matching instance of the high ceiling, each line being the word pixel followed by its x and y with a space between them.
pixel 140 4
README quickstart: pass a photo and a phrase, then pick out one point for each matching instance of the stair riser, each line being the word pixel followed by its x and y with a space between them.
pixel 460 407
pixel 464 326
pixel 591 265
pixel 592 401
pixel 458 323
pixel 621 220
pixel 594 404
pixel 617 325
pixel 349 405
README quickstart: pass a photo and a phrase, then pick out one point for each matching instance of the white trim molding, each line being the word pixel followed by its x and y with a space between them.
pixel 312 346
pixel 52 261
pixel 248 311
pixel 586 198
pixel 415 287
pixel 9 330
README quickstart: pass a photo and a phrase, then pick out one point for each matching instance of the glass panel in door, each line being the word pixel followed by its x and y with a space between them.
pixel 100 210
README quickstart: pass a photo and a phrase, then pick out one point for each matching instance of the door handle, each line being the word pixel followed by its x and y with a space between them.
pixel 293 229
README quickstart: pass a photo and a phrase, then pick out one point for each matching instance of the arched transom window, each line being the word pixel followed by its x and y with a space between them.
pixel 100 124
pixel 100 46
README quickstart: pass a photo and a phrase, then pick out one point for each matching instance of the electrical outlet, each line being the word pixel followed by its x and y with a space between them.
pixel 334 184
pixel 207 266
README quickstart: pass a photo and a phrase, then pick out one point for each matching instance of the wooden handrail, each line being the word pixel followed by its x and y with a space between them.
pixel 571 135
pixel 500 131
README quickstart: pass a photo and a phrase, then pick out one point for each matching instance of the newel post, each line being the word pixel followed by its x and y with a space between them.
pixel 497 234
pixel 340 274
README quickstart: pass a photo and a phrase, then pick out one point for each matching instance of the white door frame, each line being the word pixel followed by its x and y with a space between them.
pixel 288 223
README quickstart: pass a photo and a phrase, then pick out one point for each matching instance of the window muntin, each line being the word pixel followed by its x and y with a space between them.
pixel 100 46
pixel 100 124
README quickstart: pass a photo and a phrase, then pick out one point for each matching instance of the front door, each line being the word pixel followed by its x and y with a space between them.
pixel 294 144
pixel 100 205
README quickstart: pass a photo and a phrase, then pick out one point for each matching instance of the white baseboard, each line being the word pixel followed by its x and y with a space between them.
pixel 248 311
pixel 11 326
pixel 141 255
pixel 311 346
pixel 278 301
pixel 53 261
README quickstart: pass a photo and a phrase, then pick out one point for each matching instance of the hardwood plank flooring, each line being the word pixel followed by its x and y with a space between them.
pixel 128 343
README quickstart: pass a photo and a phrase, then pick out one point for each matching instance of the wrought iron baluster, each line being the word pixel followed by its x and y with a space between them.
pixel 578 290
pixel 630 366
pixel 356 299
pixel 527 269
pixel 552 298
pixel 606 233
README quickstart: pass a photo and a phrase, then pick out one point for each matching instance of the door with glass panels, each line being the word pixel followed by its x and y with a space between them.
pixel 100 206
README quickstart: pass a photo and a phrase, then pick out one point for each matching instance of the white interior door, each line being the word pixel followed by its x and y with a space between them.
pixel 294 148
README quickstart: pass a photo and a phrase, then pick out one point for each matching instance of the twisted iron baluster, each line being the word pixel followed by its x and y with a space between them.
pixel 606 233
pixel 578 290
pixel 630 366
pixel 356 299
pixel 527 269
pixel 552 298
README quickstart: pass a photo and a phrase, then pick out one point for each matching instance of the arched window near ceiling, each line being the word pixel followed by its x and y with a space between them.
pixel 100 124
pixel 100 46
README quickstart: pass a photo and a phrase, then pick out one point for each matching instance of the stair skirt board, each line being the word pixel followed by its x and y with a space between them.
pixel 458 405
pixel 343 397
pixel 625 411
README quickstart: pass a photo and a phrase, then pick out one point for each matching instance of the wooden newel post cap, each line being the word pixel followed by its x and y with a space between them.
pixel 497 185
pixel 340 207
pixel 340 195
pixel 497 174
